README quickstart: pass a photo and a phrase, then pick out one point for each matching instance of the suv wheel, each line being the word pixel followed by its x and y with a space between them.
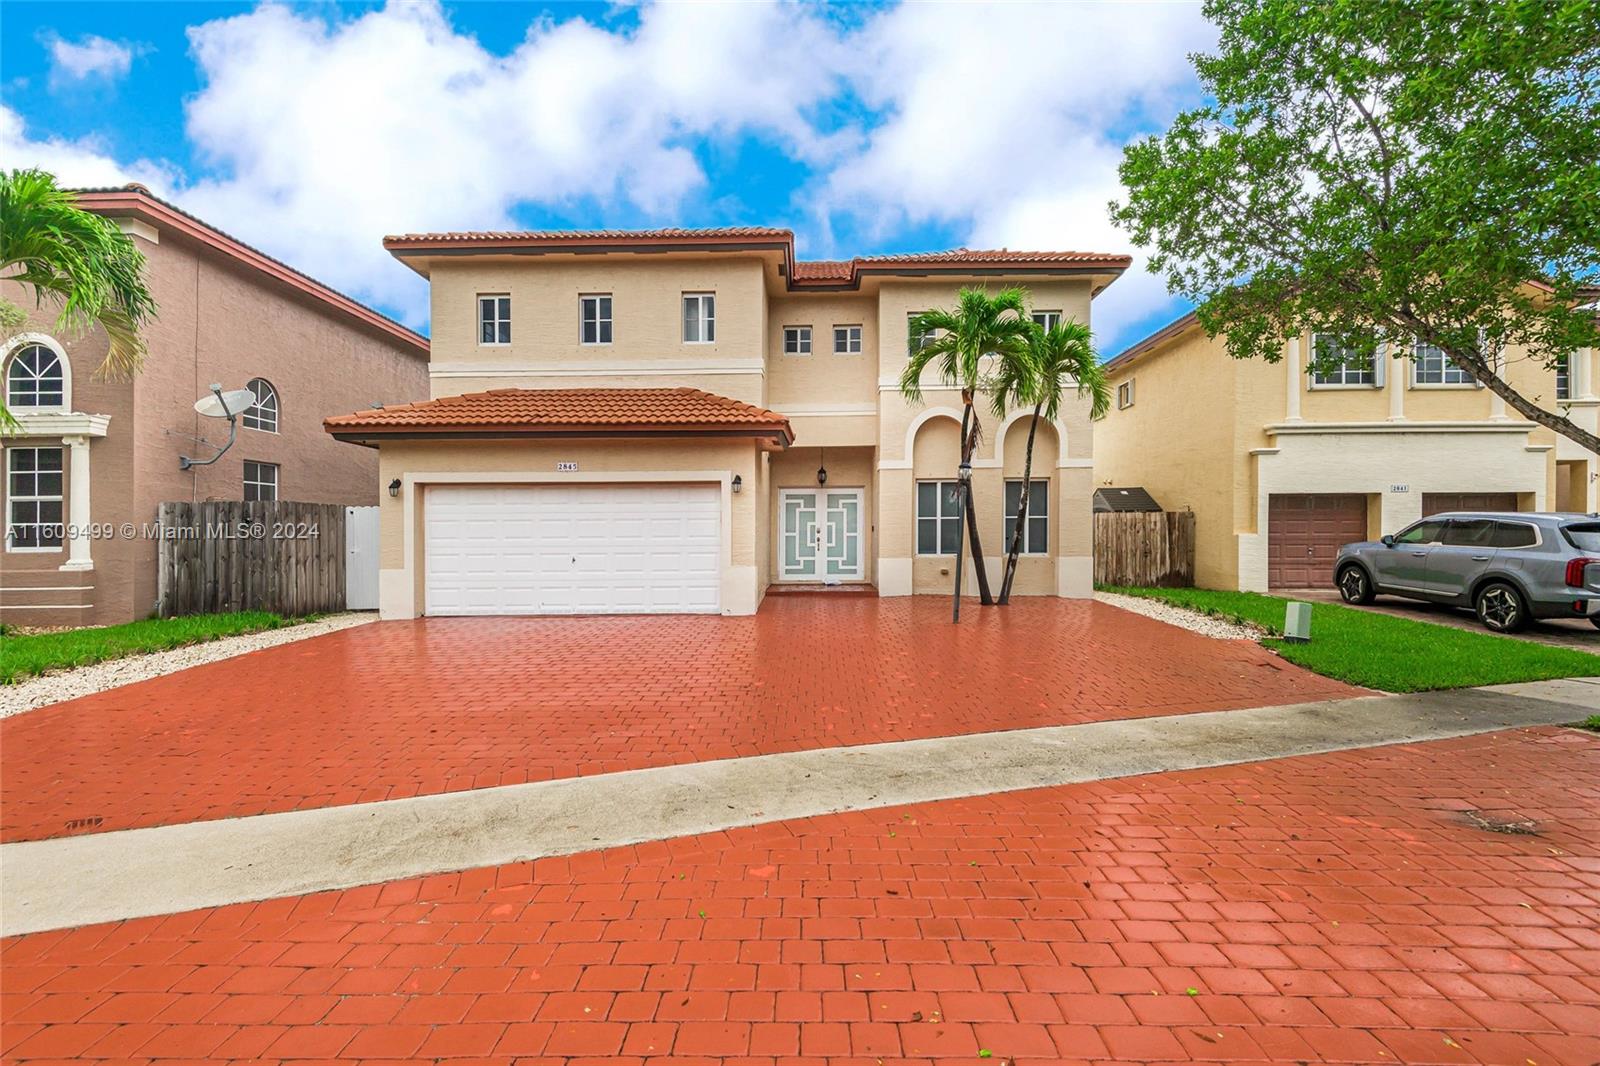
pixel 1354 585
pixel 1500 607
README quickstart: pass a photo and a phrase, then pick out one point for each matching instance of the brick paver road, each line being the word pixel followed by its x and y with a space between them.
pixel 1337 908
pixel 399 709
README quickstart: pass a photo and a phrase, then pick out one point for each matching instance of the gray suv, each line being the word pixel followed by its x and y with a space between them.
pixel 1507 567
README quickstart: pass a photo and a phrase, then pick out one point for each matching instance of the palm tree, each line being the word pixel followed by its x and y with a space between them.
pixel 959 343
pixel 76 260
pixel 1039 376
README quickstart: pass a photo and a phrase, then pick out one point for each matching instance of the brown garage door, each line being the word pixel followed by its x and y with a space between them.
pixel 1304 534
pixel 1439 502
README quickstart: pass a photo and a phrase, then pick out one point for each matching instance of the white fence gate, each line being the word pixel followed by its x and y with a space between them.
pixel 361 558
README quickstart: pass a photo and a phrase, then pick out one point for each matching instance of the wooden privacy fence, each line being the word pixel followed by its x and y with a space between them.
pixel 277 556
pixel 1144 548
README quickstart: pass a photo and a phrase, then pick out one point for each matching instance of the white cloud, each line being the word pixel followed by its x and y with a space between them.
pixel 90 58
pixel 316 135
pixel 1009 121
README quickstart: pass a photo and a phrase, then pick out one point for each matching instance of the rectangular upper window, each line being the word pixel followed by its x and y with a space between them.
pixel 494 319
pixel 594 318
pixel 1563 377
pixel 1430 366
pixel 1336 361
pixel 260 481
pixel 33 499
pixel 1047 319
pixel 796 340
pixel 938 527
pixel 1125 395
pixel 846 340
pixel 699 317
pixel 916 340
pixel 1036 533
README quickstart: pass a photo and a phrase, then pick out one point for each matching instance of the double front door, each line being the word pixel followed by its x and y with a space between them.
pixel 820 534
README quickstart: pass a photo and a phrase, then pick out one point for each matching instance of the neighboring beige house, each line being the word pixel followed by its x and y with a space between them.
pixel 675 420
pixel 1281 465
pixel 94 458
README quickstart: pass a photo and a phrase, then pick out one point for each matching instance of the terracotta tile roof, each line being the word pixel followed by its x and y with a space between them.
pixel 831 273
pixel 552 412
pixel 136 199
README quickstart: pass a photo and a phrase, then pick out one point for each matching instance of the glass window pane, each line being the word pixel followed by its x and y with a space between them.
pixel 1013 498
pixel 47 485
pixel 927 499
pixel 927 537
pixel 1038 533
pixel 949 535
pixel 691 319
pixel 605 331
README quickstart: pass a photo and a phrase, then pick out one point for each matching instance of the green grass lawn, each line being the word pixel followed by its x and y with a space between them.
pixel 24 656
pixel 1383 652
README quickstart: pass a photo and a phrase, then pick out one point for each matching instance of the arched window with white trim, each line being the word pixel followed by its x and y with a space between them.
pixel 37 377
pixel 263 413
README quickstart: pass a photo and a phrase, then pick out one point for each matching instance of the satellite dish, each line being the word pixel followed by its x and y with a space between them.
pixel 225 404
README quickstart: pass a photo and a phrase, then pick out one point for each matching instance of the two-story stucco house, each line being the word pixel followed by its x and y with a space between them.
pixel 1283 462
pixel 94 459
pixel 675 420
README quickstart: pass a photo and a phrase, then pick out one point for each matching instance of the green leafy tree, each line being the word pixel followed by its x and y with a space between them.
pixel 74 260
pixel 1039 376
pixel 1410 169
pixel 960 345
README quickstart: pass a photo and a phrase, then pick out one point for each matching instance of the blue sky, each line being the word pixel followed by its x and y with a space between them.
pixel 312 130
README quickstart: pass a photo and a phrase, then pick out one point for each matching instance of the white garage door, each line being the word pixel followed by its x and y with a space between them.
pixel 573 549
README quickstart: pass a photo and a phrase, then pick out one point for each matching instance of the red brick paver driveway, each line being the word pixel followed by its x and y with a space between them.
pixel 1334 908
pixel 406 708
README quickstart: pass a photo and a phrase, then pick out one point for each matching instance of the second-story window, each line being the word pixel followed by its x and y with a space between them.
pixel 494 319
pixel 796 340
pixel 1432 367
pixel 594 315
pixel 1336 361
pixel 1125 395
pixel 846 340
pixel 916 339
pixel 1563 377
pixel 699 317
pixel 1047 319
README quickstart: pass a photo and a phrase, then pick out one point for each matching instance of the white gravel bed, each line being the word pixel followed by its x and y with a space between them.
pixel 37 692
pixel 1205 624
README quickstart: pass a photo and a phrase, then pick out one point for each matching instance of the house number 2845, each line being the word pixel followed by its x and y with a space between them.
pixel 566 468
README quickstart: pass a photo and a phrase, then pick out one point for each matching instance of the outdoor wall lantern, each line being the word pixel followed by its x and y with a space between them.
pixel 822 470
pixel 394 488
pixel 738 483
pixel 964 471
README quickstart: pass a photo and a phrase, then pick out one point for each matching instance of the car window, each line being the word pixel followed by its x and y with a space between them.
pixel 1514 535
pixel 1584 538
pixel 1421 533
pixel 1470 532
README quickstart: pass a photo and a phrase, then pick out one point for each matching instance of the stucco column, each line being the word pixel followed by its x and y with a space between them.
pixel 1396 384
pixel 1291 360
pixel 1580 367
pixel 78 557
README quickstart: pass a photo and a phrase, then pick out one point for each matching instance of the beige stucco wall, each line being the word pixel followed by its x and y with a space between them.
pixel 647 350
pixel 218 322
pixel 1220 436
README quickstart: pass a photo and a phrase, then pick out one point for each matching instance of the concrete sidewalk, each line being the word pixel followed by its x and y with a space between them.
pixel 75 881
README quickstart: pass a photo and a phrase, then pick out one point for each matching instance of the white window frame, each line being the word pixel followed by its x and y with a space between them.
pixel 1125 395
pixel 492 301
pixel 256 416
pixel 259 466
pixel 1445 369
pixel 1038 508
pixel 1313 374
pixel 945 510
pixel 1047 319
pixel 796 340
pixel 604 327
pixel 705 317
pixel 1563 371
pixel 14 347
pixel 916 342
pixel 36 498
pixel 847 340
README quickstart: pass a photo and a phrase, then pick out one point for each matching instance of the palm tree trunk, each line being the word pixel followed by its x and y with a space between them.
pixel 961 503
pixel 969 440
pixel 1022 513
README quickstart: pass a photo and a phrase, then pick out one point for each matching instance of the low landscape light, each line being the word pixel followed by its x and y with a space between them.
pixel 1297 622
